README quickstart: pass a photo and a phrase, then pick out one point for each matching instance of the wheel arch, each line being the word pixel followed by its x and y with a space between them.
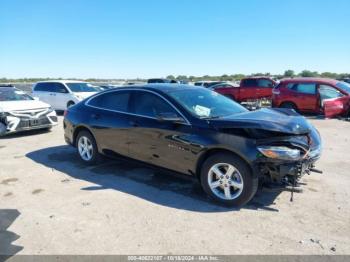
pixel 70 102
pixel 214 151
pixel 288 102
pixel 79 129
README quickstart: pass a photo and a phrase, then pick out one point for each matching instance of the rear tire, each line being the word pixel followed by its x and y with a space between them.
pixel 87 148
pixel 227 179
pixel 289 105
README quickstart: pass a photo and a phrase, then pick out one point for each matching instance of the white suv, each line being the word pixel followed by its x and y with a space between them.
pixel 62 94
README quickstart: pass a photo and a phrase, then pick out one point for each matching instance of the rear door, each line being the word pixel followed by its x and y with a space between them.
pixel 162 143
pixel 110 120
pixel 332 101
pixel 304 96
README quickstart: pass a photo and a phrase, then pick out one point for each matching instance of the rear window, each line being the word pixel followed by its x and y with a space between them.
pixel 265 83
pixel 304 88
pixel 117 101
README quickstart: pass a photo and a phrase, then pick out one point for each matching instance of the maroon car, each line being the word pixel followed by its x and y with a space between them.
pixel 313 95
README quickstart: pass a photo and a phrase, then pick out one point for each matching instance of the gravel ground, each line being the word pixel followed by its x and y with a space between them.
pixel 50 203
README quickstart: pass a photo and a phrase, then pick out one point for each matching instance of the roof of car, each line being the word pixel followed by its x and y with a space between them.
pixel 8 88
pixel 162 87
pixel 310 79
pixel 62 81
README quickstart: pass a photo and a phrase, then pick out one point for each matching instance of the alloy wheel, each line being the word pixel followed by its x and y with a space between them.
pixel 85 148
pixel 225 181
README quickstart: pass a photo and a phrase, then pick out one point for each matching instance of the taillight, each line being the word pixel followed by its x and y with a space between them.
pixel 65 113
pixel 276 91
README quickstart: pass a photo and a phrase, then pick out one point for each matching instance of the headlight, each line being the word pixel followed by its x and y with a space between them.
pixel 79 97
pixel 280 152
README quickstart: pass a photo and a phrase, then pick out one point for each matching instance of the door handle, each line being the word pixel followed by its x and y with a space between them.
pixel 95 116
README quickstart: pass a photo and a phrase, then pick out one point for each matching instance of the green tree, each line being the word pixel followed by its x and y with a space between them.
pixel 181 77
pixel 289 73
pixel 330 75
pixel 308 73
pixel 170 77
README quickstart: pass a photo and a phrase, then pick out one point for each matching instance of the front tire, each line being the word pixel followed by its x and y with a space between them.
pixel 87 148
pixel 227 179
pixel 289 105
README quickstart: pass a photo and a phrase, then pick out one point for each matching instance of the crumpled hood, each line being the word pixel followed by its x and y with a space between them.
pixel 277 120
pixel 7 106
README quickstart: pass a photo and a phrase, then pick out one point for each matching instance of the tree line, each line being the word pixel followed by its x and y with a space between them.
pixel 225 77
pixel 287 74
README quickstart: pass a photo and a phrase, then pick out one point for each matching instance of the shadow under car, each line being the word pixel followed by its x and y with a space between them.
pixel 131 177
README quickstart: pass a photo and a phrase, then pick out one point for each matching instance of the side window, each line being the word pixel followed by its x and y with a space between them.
pixel 328 92
pixel 117 101
pixel 59 88
pixel 148 104
pixel 304 88
pixel 265 83
pixel 249 83
pixel 42 87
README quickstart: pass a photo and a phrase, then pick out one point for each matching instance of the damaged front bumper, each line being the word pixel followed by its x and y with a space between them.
pixel 16 121
pixel 279 171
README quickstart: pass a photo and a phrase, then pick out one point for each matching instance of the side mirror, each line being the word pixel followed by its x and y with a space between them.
pixel 169 117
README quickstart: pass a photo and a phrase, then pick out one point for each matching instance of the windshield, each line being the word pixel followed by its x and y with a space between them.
pixel 344 86
pixel 204 103
pixel 80 87
pixel 11 94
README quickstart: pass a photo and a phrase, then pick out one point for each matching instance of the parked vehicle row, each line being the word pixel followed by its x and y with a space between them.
pixel 198 132
pixel 19 112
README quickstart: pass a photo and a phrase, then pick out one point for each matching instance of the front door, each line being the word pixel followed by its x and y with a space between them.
pixel 162 143
pixel 264 89
pixel 60 96
pixel 332 101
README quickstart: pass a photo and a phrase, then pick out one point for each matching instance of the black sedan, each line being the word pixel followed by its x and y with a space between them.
pixel 198 132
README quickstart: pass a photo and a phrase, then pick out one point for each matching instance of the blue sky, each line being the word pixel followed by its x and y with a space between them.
pixel 155 38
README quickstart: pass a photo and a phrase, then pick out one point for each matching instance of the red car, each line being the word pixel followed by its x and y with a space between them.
pixel 313 95
pixel 253 88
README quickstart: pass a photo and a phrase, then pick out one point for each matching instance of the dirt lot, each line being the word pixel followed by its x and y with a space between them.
pixel 50 203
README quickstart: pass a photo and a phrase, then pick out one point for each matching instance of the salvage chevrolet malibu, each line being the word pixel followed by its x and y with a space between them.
pixel 195 131
pixel 19 112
